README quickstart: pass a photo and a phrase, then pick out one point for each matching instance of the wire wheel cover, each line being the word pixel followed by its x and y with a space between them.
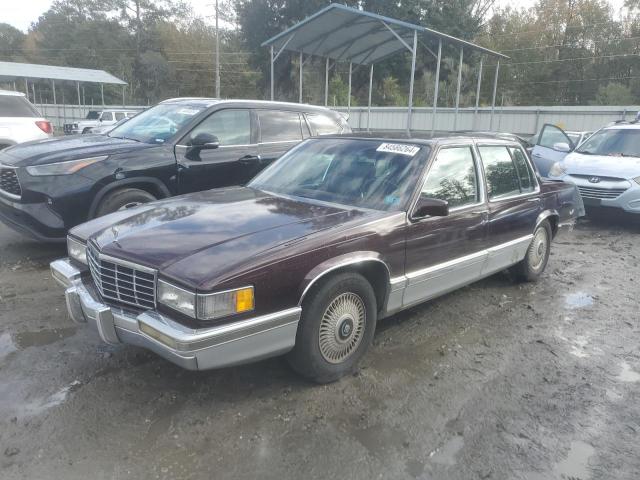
pixel 342 327
pixel 538 249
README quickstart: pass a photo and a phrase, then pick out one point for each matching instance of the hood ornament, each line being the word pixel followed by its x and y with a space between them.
pixel 594 180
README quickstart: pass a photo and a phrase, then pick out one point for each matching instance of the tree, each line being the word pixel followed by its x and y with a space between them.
pixel 614 94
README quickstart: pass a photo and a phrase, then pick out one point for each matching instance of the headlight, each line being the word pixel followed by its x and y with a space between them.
pixel 206 306
pixel 63 168
pixel 557 170
pixel 222 304
pixel 77 250
pixel 173 297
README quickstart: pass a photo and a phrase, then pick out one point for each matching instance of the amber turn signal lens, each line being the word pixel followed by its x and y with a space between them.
pixel 244 300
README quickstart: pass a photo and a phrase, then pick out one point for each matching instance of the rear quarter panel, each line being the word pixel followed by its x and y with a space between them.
pixel 563 198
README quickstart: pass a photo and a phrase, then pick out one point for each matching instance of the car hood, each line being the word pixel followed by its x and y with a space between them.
pixel 54 150
pixel 604 166
pixel 206 236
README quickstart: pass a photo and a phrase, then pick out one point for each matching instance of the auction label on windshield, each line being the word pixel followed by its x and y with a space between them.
pixel 401 148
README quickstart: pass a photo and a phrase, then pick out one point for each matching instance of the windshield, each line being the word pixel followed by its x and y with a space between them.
pixel 360 173
pixel 93 115
pixel 158 123
pixel 613 142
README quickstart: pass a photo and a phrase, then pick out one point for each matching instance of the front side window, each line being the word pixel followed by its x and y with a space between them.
pixel 360 173
pixel 107 117
pixel 93 115
pixel 323 125
pixel 500 172
pixel 453 178
pixel 614 142
pixel 119 116
pixel 231 127
pixel 551 135
pixel 279 126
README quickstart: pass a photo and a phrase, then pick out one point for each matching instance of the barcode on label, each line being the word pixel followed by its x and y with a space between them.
pixel 401 148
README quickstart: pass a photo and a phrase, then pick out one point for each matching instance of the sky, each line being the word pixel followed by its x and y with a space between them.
pixel 22 14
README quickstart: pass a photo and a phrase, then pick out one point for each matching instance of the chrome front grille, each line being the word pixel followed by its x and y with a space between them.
pixel 600 192
pixel 122 281
pixel 9 183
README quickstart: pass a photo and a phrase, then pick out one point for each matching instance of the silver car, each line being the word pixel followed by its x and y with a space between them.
pixel 606 168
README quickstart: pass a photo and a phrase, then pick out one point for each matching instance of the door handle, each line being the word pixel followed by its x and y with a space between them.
pixel 537 155
pixel 249 159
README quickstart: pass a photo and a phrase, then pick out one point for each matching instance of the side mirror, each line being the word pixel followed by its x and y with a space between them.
pixel 562 147
pixel 205 141
pixel 430 207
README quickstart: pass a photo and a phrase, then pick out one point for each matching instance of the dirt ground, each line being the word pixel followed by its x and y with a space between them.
pixel 494 381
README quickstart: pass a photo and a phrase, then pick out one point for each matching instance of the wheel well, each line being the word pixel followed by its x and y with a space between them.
pixel 147 187
pixel 375 272
pixel 553 221
pixel 158 190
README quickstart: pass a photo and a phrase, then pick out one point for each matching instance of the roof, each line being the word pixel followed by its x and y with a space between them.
pixel 209 102
pixel 12 70
pixel 11 93
pixel 351 35
pixel 426 138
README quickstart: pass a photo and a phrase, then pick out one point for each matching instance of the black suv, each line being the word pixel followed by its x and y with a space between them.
pixel 179 146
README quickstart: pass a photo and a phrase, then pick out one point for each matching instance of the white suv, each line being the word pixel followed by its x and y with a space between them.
pixel 605 167
pixel 98 118
pixel 20 121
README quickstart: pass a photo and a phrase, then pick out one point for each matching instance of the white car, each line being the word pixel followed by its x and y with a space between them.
pixel 98 118
pixel 605 167
pixel 544 152
pixel 20 121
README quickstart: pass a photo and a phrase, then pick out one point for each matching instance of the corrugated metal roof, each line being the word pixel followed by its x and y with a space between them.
pixel 12 70
pixel 351 35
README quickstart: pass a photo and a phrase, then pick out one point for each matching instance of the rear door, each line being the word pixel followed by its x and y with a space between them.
pixel 446 252
pixel 279 131
pixel 234 162
pixel 514 204
pixel 546 152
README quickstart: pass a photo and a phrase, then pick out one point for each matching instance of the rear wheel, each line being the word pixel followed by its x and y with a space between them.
pixel 122 200
pixel 336 328
pixel 534 263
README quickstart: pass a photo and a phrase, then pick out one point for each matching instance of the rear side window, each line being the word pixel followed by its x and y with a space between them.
pixel 14 106
pixel 279 126
pixel 323 125
pixel 500 172
pixel 107 117
pixel 525 175
pixel 119 116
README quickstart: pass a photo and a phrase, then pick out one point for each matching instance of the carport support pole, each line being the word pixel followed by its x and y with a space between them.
pixel 326 83
pixel 413 74
pixel 123 92
pixel 370 90
pixel 475 113
pixel 26 87
pixel 455 117
pixel 272 73
pixel 349 89
pixel 53 88
pixel 102 93
pixel 435 93
pixel 493 100
pixel 300 87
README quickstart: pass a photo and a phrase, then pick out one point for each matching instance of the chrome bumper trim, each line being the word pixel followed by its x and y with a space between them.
pixel 194 349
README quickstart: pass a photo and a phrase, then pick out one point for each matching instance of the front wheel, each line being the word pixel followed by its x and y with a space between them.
pixel 123 199
pixel 336 328
pixel 534 263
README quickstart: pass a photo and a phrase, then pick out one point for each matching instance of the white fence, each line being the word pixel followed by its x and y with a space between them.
pixel 523 120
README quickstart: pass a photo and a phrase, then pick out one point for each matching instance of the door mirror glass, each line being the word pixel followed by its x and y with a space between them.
pixel 430 207
pixel 562 147
pixel 204 141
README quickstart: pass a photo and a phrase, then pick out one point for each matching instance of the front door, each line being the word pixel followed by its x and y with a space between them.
pixel 446 252
pixel 514 204
pixel 552 146
pixel 234 162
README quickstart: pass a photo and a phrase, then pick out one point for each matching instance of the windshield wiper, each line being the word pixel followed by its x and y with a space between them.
pixel 585 152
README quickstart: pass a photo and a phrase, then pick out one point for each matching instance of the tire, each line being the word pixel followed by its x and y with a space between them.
pixel 530 269
pixel 122 199
pixel 336 328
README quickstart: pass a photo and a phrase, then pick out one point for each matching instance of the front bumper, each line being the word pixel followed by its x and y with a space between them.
pixel 35 220
pixel 599 194
pixel 194 349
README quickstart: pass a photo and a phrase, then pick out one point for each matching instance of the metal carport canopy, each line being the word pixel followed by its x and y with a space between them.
pixel 11 70
pixel 350 35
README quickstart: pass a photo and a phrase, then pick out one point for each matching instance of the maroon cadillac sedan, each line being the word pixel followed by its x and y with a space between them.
pixel 305 259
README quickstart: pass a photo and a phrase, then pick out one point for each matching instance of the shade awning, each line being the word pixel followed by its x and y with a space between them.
pixel 347 34
pixel 13 70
